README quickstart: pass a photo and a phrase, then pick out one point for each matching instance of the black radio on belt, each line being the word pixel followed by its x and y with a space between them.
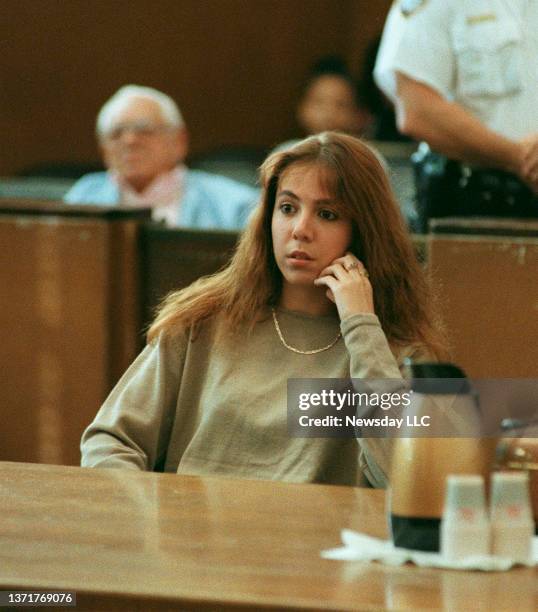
pixel 449 188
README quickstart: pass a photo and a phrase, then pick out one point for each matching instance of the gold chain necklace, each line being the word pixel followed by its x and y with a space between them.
pixel 296 350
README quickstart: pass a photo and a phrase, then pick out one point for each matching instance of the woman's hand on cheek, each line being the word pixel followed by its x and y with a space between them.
pixel 348 286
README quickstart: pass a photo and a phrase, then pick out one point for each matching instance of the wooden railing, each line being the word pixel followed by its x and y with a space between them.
pixel 70 318
pixel 485 273
pixel 80 285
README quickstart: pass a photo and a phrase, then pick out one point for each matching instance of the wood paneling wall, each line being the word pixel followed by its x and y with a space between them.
pixel 234 66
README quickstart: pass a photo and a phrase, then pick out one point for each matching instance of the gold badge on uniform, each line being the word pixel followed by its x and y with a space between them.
pixel 475 19
pixel 408 7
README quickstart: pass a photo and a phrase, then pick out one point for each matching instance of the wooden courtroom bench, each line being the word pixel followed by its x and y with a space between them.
pixel 80 284
pixel 172 258
pixel 485 272
pixel 70 321
pixel 81 288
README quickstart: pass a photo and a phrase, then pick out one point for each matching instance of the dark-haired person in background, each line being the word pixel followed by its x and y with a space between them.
pixel 329 102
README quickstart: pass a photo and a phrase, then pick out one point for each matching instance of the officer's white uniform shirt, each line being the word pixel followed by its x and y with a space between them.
pixel 482 54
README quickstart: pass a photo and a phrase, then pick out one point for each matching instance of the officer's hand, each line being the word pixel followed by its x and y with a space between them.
pixel 529 161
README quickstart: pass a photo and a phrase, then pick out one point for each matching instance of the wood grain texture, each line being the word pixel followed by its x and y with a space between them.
pixel 70 325
pixel 127 540
pixel 488 296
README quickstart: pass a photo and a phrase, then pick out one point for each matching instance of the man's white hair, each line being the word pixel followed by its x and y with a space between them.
pixel 170 112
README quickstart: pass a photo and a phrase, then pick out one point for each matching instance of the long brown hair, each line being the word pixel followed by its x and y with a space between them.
pixel 242 291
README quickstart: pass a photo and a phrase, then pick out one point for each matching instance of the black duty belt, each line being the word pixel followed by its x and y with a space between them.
pixel 450 188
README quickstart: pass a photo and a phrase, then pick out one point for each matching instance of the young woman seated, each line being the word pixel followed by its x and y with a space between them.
pixel 324 284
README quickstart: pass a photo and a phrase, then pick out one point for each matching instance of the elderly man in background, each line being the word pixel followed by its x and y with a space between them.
pixel 463 76
pixel 144 142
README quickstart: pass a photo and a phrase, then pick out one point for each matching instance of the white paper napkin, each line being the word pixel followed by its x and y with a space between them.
pixel 361 547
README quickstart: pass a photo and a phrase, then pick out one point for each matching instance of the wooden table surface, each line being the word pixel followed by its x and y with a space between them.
pixel 138 541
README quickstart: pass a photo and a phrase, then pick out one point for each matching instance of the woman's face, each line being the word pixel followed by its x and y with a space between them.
pixel 329 104
pixel 308 229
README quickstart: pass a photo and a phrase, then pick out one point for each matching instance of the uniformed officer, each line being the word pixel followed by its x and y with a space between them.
pixel 464 78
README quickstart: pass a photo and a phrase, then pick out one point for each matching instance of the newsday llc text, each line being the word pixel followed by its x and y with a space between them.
pixel 402 408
